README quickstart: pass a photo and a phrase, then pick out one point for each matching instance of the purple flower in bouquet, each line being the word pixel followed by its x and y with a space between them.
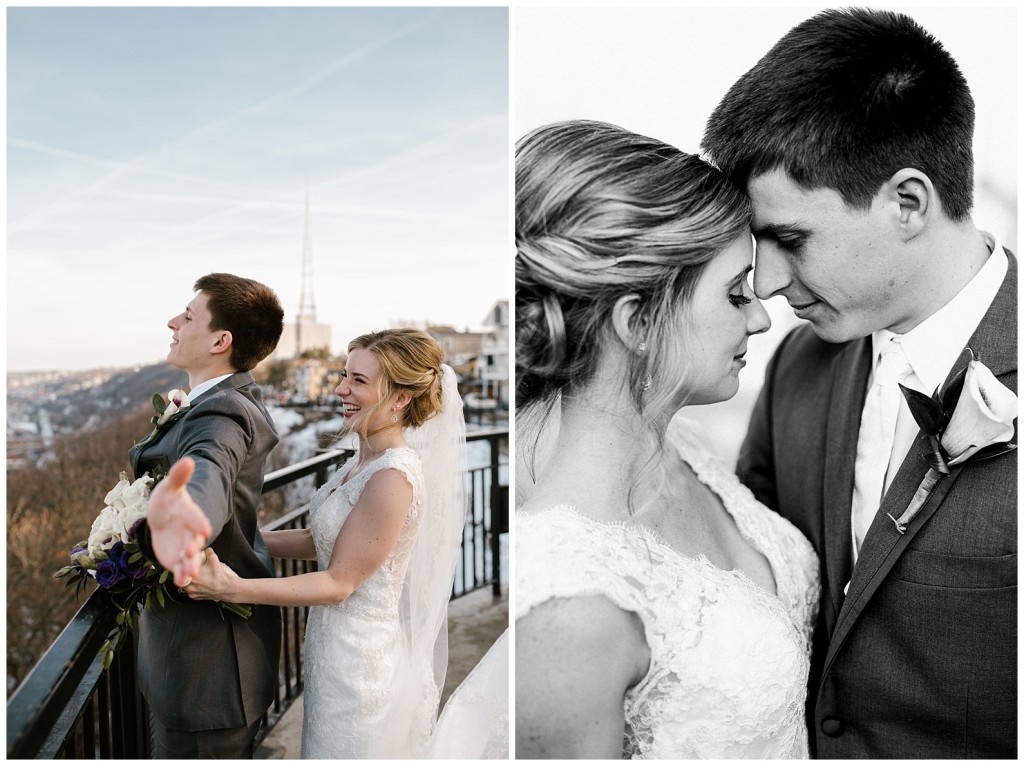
pixel 128 569
pixel 81 561
pixel 107 574
pixel 111 557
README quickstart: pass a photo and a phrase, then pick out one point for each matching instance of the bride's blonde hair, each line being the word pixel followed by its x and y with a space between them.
pixel 602 212
pixel 410 360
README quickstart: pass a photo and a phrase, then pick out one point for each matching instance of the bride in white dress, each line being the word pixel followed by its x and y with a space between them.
pixel 385 531
pixel 661 612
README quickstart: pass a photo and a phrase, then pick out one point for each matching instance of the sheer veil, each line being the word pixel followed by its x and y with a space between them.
pixel 423 608
pixel 475 720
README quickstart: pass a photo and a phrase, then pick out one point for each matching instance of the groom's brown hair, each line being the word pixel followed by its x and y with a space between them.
pixel 249 310
pixel 844 100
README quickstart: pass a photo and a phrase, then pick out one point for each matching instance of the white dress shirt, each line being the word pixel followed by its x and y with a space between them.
pixel 933 346
pixel 205 386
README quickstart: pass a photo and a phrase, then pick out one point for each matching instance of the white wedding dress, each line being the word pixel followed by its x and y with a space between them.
pixel 729 659
pixel 354 650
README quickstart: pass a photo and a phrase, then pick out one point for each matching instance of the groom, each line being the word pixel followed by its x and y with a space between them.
pixel 209 679
pixel 853 138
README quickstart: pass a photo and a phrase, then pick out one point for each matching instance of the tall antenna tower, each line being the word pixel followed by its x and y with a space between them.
pixel 307 308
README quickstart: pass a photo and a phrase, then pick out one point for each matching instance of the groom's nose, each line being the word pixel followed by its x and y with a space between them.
pixel 771 271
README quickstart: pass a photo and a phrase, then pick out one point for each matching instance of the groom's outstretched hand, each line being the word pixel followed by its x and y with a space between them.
pixel 178 528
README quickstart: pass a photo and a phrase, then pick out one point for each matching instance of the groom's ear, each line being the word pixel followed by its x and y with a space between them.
pixel 223 343
pixel 629 322
pixel 911 196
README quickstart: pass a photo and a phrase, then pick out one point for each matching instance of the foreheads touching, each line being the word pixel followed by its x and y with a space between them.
pixel 601 214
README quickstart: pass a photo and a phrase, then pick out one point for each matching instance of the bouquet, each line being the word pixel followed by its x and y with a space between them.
pixel 111 556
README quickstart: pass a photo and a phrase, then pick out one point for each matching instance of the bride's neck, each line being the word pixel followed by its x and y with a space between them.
pixel 376 443
pixel 594 459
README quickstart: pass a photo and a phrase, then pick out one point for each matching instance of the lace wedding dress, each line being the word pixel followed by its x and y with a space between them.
pixel 355 650
pixel 729 659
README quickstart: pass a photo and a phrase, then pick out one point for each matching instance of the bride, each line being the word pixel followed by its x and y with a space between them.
pixel 385 531
pixel 661 612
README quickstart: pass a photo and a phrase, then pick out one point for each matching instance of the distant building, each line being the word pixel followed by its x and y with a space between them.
pixel 304 335
pixel 458 345
pixel 492 368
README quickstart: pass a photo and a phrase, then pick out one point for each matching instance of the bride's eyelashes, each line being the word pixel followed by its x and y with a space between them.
pixel 739 300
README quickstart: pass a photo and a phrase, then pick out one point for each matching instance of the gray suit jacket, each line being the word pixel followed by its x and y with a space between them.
pixel 919 658
pixel 197 670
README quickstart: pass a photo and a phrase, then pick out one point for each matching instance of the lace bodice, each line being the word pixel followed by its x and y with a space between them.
pixel 354 650
pixel 729 659
pixel 331 505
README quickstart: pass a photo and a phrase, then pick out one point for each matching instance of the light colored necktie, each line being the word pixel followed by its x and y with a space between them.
pixel 875 442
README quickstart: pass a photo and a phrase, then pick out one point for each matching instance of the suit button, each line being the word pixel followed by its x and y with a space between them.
pixel 833 727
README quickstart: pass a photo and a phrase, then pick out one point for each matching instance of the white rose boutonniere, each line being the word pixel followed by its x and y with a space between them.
pixel 177 401
pixel 972 418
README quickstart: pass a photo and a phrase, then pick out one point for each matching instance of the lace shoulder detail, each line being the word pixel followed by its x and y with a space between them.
pixel 404 459
pixel 562 553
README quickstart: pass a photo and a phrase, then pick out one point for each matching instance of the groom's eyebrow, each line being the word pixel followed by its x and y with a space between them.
pixel 776 230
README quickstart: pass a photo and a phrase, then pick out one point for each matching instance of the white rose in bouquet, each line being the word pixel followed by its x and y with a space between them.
pixel 126 505
pixel 104 532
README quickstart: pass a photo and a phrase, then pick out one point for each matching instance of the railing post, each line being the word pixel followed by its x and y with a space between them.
pixel 495 517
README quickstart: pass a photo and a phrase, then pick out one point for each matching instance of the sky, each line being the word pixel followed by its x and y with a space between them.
pixel 149 146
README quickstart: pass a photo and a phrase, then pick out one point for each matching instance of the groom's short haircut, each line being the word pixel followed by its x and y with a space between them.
pixel 249 310
pixel 843 101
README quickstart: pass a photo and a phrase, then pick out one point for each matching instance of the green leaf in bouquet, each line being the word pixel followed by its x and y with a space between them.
pixel 107 651
pixel 242 610
pixel 159 405
pixel 120 618
pixel 135 557
pixel 160 595
pixel 163 576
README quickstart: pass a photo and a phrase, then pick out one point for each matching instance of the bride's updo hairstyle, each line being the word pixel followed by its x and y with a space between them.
pixel 601 213
pixel 410 360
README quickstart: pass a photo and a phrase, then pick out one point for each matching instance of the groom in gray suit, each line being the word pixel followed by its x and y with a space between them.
pixel 853 138
pixel 208 678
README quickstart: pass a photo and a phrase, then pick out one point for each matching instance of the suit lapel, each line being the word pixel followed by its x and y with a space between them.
pixel 849 385
pixel 995 343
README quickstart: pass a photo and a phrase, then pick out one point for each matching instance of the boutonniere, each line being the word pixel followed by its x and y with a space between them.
pixel 177 401
pixel 970 418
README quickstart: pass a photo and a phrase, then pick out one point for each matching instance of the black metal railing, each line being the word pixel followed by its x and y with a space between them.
pixel 70 707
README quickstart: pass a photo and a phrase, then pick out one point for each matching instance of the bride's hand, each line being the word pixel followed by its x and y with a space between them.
pixel 214 582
